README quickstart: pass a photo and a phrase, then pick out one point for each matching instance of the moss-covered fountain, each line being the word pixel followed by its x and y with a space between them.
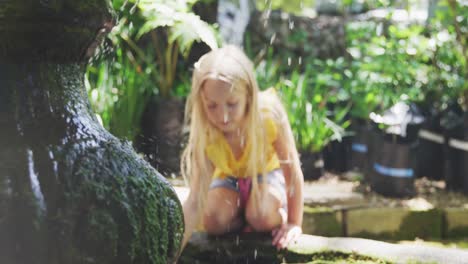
pixel 70 192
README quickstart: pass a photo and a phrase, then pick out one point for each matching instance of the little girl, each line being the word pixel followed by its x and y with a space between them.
pixel 241 161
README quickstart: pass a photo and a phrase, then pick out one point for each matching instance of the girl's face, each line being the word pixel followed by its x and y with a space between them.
pixel 225 107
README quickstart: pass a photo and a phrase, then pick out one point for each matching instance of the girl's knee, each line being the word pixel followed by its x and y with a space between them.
pixel 263 221
pixel 216 225
pixel 217 222
pixel 265 217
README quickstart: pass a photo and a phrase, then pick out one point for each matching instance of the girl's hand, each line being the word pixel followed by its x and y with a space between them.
pixel 285 234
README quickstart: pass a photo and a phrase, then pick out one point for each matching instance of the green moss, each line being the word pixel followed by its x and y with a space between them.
pixel 330 257
pixel 422 224
pixel 98 201
pixel 143 206
pixel 416 224
pixel 318 209
pixel 273 257
pixel 322 221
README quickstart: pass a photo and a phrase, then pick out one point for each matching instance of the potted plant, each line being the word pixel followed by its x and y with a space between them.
pixel 307 96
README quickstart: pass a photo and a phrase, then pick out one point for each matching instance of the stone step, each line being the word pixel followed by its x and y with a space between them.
pixel 387 223
pixel 257 248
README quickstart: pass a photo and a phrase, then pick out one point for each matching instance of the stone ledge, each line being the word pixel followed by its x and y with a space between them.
pixel 256 248
pixel 389 223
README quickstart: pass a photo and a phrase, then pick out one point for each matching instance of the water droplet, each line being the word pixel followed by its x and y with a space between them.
pixel 272 39
pixel 19 129
pixel 35 186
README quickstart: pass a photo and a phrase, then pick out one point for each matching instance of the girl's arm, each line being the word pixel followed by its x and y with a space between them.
pixel 289 159
pixel 190 208
pixel 294 179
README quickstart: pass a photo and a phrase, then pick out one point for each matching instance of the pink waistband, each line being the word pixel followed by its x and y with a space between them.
pixel 244 190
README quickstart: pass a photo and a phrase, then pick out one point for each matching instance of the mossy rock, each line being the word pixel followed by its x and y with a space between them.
pixel 70 192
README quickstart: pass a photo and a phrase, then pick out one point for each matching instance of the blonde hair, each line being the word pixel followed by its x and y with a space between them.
pixel 229 64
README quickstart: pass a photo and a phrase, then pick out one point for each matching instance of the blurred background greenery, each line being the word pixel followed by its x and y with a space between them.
pixel 148 58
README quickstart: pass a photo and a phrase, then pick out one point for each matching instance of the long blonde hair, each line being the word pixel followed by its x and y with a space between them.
pixel 229 64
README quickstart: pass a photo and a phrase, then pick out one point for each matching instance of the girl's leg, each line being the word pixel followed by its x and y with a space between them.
pixel 271 210
pixel 222 211
pixel 269 214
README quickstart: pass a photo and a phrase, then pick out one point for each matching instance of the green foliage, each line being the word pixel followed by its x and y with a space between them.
pixel 148 41
pixel 182 27
pixel 449 29
pixel 394 61
pixel 119 91
pixel 388 64
pixel 308 96
pixel 292 6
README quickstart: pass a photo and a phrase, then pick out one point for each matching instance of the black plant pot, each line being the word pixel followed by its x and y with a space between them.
pixel 336 155
pixel 365 138
pixel 312 165
pixel 394 166
pixel 431 149
pixel 454 134
pixel 70 192
pixel 456 150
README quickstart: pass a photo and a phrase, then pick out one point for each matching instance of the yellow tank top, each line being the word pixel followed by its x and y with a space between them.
pixel 220 154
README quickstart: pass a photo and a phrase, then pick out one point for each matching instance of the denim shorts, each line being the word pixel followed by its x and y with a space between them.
pixel 275 178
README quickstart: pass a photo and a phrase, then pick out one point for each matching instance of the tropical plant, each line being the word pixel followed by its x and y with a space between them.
pixel 308 97
pixel 180 28
pixel 119 92
pixel 317 106
pixel 142 60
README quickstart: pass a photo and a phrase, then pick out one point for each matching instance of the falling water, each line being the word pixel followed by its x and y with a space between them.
pixel 36 188
pixel 272 39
